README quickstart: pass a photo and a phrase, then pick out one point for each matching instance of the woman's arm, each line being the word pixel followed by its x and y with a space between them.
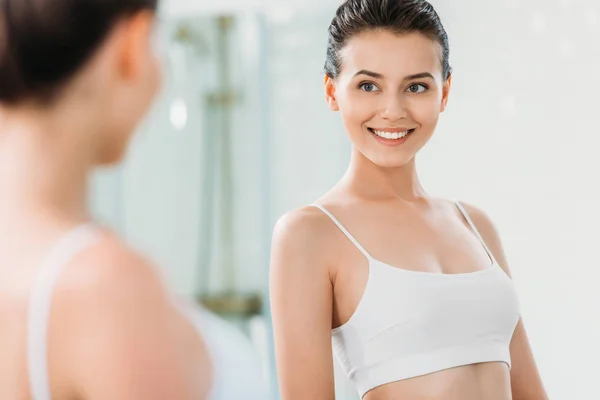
pixel 526 382
pixel 301 304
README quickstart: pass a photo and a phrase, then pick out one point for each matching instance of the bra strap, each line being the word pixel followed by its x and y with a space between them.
pixel 39 305
pixel 344 230
pixel 475 230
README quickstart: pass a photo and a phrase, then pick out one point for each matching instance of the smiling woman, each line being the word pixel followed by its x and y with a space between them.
pixel 413 290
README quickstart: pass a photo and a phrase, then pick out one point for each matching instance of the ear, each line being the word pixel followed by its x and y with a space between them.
pixel 446 93
pixel 135 44
pixel 330 93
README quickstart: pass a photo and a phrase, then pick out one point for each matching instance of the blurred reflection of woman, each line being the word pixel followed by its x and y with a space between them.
pixel 82 315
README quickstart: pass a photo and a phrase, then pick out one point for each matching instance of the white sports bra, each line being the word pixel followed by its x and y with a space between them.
pixel 411 323
pixel 237 368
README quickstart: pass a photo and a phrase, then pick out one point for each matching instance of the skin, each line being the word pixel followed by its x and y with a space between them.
pixel 103 342
pixel 318 276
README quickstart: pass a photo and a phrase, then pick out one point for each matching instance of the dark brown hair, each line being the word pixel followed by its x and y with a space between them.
pixel 43 43
pixel 398 16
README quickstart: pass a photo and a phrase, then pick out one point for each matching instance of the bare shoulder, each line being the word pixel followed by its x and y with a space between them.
pixel 482 221
pixel 488 231
pixel 308 220
pixel 115 299
pixel 109 266
pixel 108 282
pixel 480 218
pixel 303 231
pixel 484 224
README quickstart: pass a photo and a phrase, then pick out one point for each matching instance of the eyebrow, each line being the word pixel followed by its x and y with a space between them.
pixel 369 73
pixel 407 78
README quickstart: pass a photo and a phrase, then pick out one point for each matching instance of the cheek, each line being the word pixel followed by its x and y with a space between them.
pixel 356 109
pixel 426 110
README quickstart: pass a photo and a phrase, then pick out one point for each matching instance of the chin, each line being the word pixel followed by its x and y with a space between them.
pixel 389 161
pixel 112 156
pixel 110 161
pixel 393 165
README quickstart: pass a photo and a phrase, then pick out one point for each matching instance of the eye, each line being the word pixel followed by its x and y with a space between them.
pixel 417 88
pixel 368 87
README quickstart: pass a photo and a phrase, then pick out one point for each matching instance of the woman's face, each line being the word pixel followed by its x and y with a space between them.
pixel 390 92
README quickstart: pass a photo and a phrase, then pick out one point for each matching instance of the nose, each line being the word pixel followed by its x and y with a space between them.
pixel 394 108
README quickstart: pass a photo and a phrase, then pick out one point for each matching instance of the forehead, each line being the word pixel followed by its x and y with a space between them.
pixel 392 55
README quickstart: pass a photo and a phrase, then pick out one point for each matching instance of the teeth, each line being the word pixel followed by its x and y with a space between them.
pixel 390 135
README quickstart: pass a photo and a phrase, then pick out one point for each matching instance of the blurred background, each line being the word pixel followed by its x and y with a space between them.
pixel 241 134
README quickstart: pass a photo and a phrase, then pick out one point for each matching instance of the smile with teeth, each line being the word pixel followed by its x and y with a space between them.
pixel 391 135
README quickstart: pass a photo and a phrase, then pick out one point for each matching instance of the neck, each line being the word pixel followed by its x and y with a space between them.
pixel 45 161
pixel 370 181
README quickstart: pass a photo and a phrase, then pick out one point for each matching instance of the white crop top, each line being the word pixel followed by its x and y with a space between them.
pixel 411 323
